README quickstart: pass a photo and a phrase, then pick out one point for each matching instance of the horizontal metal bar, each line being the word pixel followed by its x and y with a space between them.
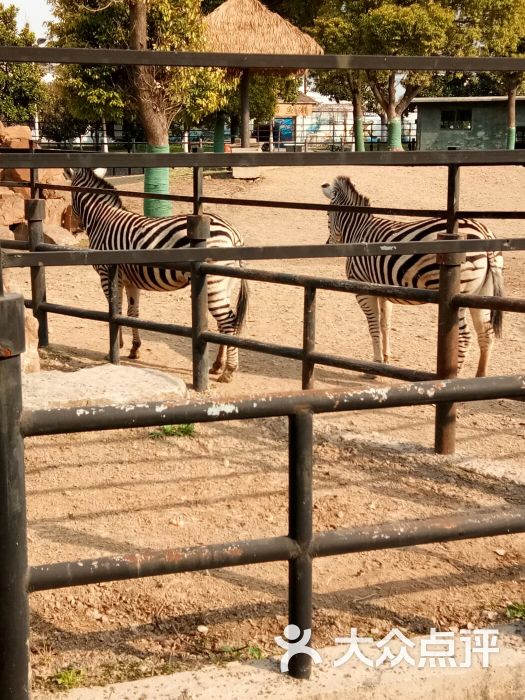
pixel 444 528
pixel 9 244
pixel 122 193
pixel 408 293
pixel 169 328
pixel 489 214
pixel 225 160
pixel 171 561
pixel 74 311
pixel 85 419
pixel 473 301
pixel 174 256
pixel 127 57
pixel 255 345
pixel 379 368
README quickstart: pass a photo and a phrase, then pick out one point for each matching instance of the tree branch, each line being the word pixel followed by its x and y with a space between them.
pixel 376 90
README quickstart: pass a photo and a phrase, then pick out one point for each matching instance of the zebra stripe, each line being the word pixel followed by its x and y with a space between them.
pixel 481 273
pixel 111 227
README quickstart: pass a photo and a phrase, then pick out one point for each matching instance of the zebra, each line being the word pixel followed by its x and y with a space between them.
pixel 110 226
pixel 482 273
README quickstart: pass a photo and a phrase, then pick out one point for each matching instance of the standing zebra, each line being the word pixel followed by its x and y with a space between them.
pixel 112 227
pixel 482 273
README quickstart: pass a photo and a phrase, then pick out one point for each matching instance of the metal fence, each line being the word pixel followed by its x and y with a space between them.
pixel 300 545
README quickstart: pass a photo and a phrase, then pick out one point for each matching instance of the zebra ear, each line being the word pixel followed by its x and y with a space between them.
pixel 68 173
pixel 327 190
pixel 100 172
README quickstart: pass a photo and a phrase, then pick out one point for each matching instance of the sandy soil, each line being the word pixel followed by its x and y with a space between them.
pixel 109 493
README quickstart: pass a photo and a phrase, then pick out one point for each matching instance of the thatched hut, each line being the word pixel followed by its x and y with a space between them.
pixel 247 26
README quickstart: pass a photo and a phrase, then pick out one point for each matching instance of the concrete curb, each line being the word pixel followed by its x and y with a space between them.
pixel 504 679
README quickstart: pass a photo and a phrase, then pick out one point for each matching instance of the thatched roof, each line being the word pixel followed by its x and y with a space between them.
pixel 247 26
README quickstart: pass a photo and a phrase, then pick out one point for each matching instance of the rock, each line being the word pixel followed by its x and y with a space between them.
pixel 30 358
pixel 11 208
pixel 15 136
pixel 102 385
pixel 70 220
pixel 53 234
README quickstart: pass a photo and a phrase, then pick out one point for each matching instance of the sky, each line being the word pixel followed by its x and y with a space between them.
pixel 34 12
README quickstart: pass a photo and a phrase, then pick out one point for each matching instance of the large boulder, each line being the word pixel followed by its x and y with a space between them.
pixel 15 279
pixel 15 136
pixel 52 234
pixel 11 207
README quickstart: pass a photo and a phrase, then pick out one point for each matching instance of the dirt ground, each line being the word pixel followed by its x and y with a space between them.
pixel 116 492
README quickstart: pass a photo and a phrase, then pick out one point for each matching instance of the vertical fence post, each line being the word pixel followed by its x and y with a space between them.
pixel 300 449
pixel 308 336
pixel 114 310
pixel 14 614
pixel 35 212
pixel 447 345
pixel 198 227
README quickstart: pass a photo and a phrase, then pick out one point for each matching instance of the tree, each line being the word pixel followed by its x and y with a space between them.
pixel 395 27
pixel 500 29
pixel 159 94
pixel 57 122
pixel 20 83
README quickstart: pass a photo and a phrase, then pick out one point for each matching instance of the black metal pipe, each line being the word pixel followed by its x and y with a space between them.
pixel 75 312
pixel 245 108
pixel 35 212
pixel 308 337
pixel 14 614
pixel 443 528
pixel 114 311
pixel 64 420
pixel 368 367
pixel 157 563
pixel 394 292
pixel 300 508
pixel 448 319
pixel 14 245
pixel 199 234
pixel 175 256
pixel 473 301
pixel 144 325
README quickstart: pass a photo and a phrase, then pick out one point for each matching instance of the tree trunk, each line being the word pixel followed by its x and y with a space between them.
pixel 512 89
pixel 394 120
pixel 357 107
pixel 152 113
pixel 218 134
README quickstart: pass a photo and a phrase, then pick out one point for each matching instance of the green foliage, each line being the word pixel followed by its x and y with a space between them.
pixel 516 611
pixel 68 678
pixel 182 430
pixel 57 122
pixel 20 83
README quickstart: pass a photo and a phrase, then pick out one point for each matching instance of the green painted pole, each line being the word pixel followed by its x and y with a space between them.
pixel 218 134
pixel 511 138
pixel 157 181
pixel 358 134
pixel 394 135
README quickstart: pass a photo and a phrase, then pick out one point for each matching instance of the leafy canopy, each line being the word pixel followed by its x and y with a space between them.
pixel 20 83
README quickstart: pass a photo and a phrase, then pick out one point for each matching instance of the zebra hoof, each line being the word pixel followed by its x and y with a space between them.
pixel 134 355
pixel 216 369
pixel 226 377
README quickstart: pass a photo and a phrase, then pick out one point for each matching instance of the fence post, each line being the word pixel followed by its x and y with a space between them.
pixel 308 336
pixel 114 310
pixel 447 345
pixel 300 449
pixel 198 226
pixel 35 213
pixel 14 614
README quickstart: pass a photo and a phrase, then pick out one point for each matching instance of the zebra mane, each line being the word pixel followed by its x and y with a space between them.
pixel 85 177
pixel 343 187
pixel 104 184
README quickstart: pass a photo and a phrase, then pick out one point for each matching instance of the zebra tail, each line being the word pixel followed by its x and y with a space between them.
pixel 496 315
pixel 242 307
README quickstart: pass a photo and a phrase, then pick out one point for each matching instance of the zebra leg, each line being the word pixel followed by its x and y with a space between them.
pixel 133 295
pixel 465 336
pixel 221 310
pixel 385 317
pixel 485 333
pixel 371 309
pixel 218 365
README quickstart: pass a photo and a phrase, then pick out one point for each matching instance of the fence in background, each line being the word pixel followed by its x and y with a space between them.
pixel 300 545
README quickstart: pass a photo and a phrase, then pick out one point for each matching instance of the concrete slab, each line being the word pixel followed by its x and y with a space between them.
pixel 504 679
pixel 102 385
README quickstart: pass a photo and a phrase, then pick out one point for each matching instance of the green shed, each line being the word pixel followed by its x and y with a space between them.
pixel 474 123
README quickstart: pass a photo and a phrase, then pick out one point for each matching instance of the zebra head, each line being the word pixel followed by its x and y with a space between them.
pixel 85 177
pixel 342 193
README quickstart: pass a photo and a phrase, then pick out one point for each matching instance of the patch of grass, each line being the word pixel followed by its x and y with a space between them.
pixel 516 611
pixel 240 653
pixel 182 430
pixel 68 678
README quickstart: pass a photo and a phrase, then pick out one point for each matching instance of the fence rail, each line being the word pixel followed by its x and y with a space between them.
pixel 300 545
